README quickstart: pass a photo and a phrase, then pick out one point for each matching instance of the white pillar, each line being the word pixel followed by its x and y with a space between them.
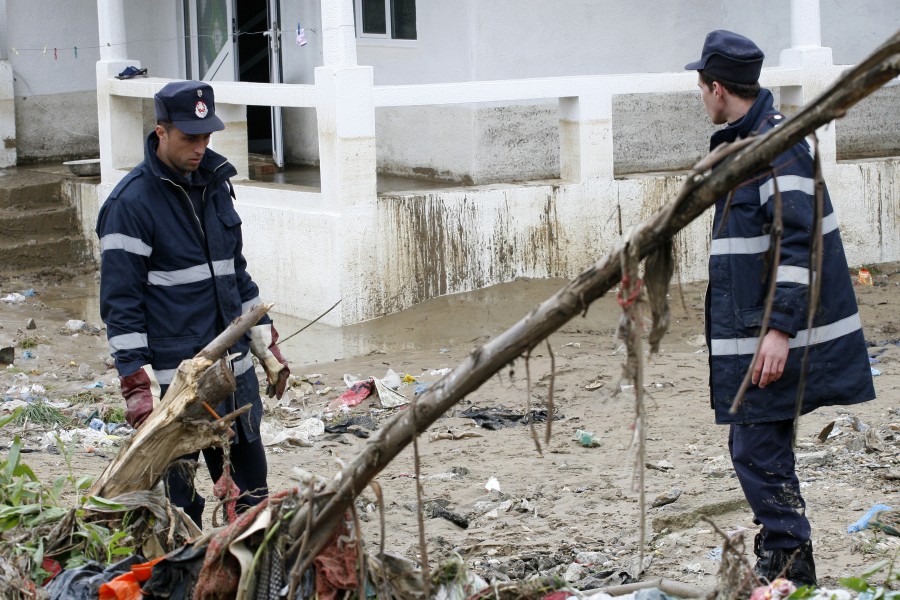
pixel 806 37
pixel 586 140
pixel 120 120
pixel 111 24
pixel 806 24
pixel 338 33
pixel 8 154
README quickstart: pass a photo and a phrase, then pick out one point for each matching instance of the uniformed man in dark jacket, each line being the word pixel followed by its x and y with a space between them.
pixel 761 430
pixel 173 276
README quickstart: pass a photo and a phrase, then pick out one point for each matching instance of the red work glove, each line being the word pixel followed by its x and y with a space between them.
pixel 140 390
pixel 263 339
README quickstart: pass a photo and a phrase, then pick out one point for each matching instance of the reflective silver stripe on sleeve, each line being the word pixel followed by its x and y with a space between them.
pixel 242 365
pixel 786 183
pixel 191 274
pixel 759 244
pixel 127 341
pixel 250 304
pixel 754 245
pixel 789 274
pixel 165 376
pixel 120 241
pixel 805 337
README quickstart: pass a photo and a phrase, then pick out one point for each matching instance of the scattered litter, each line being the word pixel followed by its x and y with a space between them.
pixel 407 378
pixel 76 325
pixel 30 324
pixel 421 388
pixel 391 379
pixel 323 391
pixel 96 384
pixel 357 392
pixel 444 350
pixel 452 434
pixel 865 277
pixel 594 385
pixel 492 485
pixel 875 372
pixel 274 434
pixel 88 437
pixel 388 397
pixel 29 293
pixel 440 372
pixel 778 589
pixel 715 554
pixel 572 345
pixel 14 298
pixel 887 521
pixel 27 354
pixel 586 438
pixel 498 417
pixel 97 424
pixel 864 521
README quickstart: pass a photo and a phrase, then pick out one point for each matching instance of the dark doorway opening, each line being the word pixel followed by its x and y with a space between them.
pixel 251 18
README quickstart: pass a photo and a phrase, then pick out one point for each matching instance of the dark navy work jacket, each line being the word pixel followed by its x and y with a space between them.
pixel 173 275
pixel 739 276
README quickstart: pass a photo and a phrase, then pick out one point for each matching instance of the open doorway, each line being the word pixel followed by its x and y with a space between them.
pixel 252 25
pixel 229 40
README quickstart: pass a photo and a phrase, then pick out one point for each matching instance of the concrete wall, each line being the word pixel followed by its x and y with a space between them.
pixel 871 128
pixel 56 106
pixel 461 41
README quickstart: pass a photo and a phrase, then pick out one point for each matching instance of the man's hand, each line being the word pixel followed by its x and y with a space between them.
pixel 773 355
pixel 141 391
pixel 263 340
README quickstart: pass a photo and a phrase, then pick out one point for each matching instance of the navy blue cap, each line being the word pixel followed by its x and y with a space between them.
pixel 189 105
pixel 730 56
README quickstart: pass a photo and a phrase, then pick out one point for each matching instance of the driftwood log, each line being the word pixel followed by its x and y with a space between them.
pixel 183 421
pixel 733 165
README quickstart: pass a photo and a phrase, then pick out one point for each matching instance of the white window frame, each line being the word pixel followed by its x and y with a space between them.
pixel 378 39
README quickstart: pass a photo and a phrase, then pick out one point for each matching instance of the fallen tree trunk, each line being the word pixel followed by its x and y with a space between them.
pixel 183 421
pixel 703 187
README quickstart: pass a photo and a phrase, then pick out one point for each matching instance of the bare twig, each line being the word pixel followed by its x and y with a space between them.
pixel 550 405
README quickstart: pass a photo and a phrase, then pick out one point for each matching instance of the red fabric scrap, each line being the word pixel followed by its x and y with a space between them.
pixel 52 567
pixel 221 572
pixel 227 490
pixel 357 392
pixel 336 564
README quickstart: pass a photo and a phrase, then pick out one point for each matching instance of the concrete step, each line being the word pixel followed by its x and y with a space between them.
pixel 22 225
pixel 43 250
pixel 25 189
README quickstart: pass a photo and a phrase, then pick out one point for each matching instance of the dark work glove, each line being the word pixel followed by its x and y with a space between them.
pixel 140 390
pixel 263 340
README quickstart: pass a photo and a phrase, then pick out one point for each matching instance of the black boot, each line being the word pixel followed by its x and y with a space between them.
pixel 795 564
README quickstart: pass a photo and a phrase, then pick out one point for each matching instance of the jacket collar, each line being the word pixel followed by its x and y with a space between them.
pixel 763 105
pixel 212 166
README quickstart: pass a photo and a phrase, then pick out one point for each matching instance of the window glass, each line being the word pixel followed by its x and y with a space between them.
pixel 403 19
pixel 373 17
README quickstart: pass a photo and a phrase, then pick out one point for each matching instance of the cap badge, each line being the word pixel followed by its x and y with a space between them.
pixel 200 109
pixel 199 93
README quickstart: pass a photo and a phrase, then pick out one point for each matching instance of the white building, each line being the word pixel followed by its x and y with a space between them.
pixel 542 109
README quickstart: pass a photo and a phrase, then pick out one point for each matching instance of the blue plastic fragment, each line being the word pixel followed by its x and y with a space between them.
pixel 864 521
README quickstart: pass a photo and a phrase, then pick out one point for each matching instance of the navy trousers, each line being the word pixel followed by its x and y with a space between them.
pixel 764 462
pixel 248 470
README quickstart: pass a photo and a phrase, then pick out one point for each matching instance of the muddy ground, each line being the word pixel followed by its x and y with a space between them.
pixel 550 506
